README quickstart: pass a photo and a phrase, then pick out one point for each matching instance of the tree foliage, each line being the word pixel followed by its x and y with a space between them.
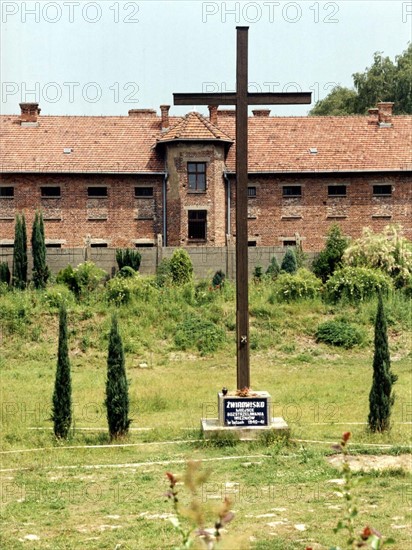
pixel 181 268
pixel 330 258
pixel 289 263
pixel 41 272
pixel 62 399
pixel 5 276
pixel 381 398
pixel 384 80
pixel 117 393
pixel 20 253
pixel 128 258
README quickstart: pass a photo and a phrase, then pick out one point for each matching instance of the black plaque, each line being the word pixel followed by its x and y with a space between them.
pixel 247 411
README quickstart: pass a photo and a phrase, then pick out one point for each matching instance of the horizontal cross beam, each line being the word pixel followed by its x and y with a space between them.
pixel 273 98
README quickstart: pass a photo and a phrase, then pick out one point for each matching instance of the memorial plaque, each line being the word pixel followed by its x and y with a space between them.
pixel 243 411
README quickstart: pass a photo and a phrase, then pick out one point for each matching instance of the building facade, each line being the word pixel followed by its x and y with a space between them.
pixel 147 180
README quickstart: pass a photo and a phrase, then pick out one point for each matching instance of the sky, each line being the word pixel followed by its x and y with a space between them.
pixel 106 57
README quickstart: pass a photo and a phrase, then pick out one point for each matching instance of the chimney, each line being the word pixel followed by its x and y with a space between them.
pixel 261 112
pixel 385 113
pixel 142 112
pixel 164 109
pixel 373 115
pixel 226 112
pixel 213 113
pixel 29 112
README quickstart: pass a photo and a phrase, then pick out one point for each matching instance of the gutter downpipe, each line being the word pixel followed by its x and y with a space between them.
pixel 228 203
pixel 164 197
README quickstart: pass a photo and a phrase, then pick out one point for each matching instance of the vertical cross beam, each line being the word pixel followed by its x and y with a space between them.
pixel 242 289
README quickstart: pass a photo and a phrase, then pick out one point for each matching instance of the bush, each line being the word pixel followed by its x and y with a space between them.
pixel 356 284
pixel 56 295
pixel 258 273
pixel 83 279
pixel 163 273
pixel 127 257
pixel 195 332
pixel 330 258
pixel 273 269
pixel 289 264
pixel 121 290
pixel 5 276
pixel 181 268
pixel 339 333
pixel 126 272
pixel 388 251
pixel 218 279
pixel 301 285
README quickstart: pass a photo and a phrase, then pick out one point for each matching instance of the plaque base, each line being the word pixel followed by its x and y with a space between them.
pixel 211 427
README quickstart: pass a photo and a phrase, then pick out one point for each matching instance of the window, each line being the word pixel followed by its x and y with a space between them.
pixel 51 192
pixel 289 243
pixel 292 191
pixel 97 191
pixel 98 245
pixel 143 192
pixel 336 190
pixel 6 192
pixel 53 245
pixel 196 172
pixel 197 225
pixel 382 189
pixel 251 243
pixel 144 245
pixel 251 192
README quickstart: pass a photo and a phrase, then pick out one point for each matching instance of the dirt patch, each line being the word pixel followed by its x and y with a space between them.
pixel 373 462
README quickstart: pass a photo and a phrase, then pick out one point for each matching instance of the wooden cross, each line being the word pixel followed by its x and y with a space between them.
pixel 241 99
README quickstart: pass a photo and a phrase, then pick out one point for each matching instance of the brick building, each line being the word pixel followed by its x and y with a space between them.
pixel 144 179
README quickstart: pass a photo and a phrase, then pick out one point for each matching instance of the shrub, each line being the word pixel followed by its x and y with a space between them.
pixel 83 279
pixel 41 272
pixel 126 272
pixel 196 332
pixel 163 273
pixel 356 284
pixel 62 398
pixel 20 253
pixel 388 251
pixel 56 295
pixel 381 397
pixel 121 290
pixel 289 264
pixel 339 333
pixel 303 284
pixel 181 268
pixel 117 393
pixel 204 293
pixel 273 269
pixel 218 279
pixel 258 273
pixel 330 258
pixel 127 257
pixel 4 273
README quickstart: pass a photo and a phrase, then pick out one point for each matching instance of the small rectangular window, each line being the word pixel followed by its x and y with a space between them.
pixel 289 243
pixel 144 245
pixel 197 225
pixel 7 192
pixel 251 192
pixel 47 192
pixel 337 190
pixel 251 243
pixel 98 245
pixel 196 173
pixel 292 191
pixel 143 192
pixel 382 189
pixel 97 191
pixel 53 245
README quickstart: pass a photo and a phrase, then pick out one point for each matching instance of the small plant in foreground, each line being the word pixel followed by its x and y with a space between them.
pixel 195 534
pixel 128 258
pixel 62 398
pixel 381 398
pixel 368 538
pixel 218 279
pixel 339 333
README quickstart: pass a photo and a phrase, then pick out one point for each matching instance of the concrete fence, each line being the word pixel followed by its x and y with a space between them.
pixel 206 260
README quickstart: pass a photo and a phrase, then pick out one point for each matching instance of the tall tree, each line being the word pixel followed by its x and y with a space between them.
pixel 117 396
pixel 384 80
pixel 20 253
pixel 62 396
pixel 381 398
pixel 41 272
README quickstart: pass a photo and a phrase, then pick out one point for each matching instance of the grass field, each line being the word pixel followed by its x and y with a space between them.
pixel 89 493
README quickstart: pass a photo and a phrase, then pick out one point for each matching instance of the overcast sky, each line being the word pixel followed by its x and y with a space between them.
pixel 106 57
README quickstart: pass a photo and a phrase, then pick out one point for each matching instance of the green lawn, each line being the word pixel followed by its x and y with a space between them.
pixel 96 495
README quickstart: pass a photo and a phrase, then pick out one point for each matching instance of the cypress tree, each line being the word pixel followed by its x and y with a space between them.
pixel 381 398
pixel 117 397
pixel 20 253
pixel 40 270
pixel 62 396
pixel 289 263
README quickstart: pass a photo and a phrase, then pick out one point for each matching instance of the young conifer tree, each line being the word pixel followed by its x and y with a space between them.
pixel 20 253
pixel 381 398
pixel 117 395
pixel 41 272
pixel 62 396
pixel 289 263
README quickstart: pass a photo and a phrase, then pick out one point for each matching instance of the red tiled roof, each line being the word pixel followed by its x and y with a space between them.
pixel 194 127
pixel 127 144
pixel 343 143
